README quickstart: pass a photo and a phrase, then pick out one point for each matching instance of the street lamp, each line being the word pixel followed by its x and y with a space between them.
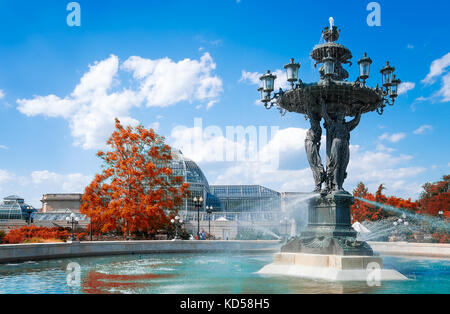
pixel 73 220
pixel 209 210
pixel 198 202
pixel 29 210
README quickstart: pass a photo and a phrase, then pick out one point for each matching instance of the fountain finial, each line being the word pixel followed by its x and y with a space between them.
pixel 331 34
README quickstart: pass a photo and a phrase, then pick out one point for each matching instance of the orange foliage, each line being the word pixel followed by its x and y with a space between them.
pixel 33 234
pixel 136 192
pixel 436 198
pixel 362 211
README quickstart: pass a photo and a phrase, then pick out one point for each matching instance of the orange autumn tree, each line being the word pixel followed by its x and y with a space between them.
pixel 136 192
pixel 436 198
pixel 362 211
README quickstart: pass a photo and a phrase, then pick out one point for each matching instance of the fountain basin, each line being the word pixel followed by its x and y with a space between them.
pixel 48 251
pixel 330 267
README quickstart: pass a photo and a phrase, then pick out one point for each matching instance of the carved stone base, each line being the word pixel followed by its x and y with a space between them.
pixel 329 229
pixel 330 267
pixel 343 246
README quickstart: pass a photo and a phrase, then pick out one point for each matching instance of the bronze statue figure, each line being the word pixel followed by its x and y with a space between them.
pixel 312 145
pixel 339 147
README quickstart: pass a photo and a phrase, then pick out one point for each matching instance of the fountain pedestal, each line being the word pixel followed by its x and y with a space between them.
pixel 329 229
pixel 328 248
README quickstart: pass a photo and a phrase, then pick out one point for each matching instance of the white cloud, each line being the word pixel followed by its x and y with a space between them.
pixel 437 68
pixel 164 82
pixel 5 176
pixel 3 147
pixel 394 138
pixel 371 167
pixel 406 87
pixel 382 148
pixel 71 183
pixel 33 186
pixel 445 89
pixel 383 167
pixel 410 46
pixel 2 94
pixel 423 129
pixel 155 126
pixel 99 98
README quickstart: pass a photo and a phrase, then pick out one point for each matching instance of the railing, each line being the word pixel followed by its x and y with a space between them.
pixel 234 216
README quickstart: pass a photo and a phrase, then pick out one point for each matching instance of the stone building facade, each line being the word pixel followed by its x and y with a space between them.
pixel 61 202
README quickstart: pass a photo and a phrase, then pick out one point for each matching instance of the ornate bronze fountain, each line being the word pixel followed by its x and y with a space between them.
pixel 332 99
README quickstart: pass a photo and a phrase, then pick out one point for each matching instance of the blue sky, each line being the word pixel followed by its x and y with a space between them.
pixel 166 63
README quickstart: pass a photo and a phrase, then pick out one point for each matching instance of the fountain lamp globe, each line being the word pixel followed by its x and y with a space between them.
pixel 393 89
pixel 386 74
pixel 330 65
pixel 292 69
pixel 364 67
pixel 268 82
pixel 265 96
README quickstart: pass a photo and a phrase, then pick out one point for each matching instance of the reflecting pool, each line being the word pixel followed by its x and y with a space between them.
pixel 204 274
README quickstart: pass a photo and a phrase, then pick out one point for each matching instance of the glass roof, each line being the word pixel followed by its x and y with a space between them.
pixel 188 169
pixel 58 216
pixel 14 208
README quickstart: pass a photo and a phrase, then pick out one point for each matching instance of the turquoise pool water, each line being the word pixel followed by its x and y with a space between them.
pixel 204 274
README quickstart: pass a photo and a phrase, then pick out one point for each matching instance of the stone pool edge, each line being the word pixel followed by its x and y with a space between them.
pixel 47 251
pixel 431 250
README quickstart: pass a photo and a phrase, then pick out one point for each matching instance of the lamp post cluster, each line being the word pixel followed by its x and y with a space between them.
pixel 74 221
pixel 332 56
pixel 29 212
pixel 401 221
pixel 176 221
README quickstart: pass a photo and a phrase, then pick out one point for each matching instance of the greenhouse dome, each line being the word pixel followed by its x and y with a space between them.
pixel 14 208
pixel 198 184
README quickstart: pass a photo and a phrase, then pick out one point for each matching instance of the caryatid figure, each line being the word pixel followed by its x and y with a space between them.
pixel 312 145
pixel 339 154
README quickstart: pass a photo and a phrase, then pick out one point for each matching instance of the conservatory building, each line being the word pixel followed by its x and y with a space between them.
pixel 14 208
